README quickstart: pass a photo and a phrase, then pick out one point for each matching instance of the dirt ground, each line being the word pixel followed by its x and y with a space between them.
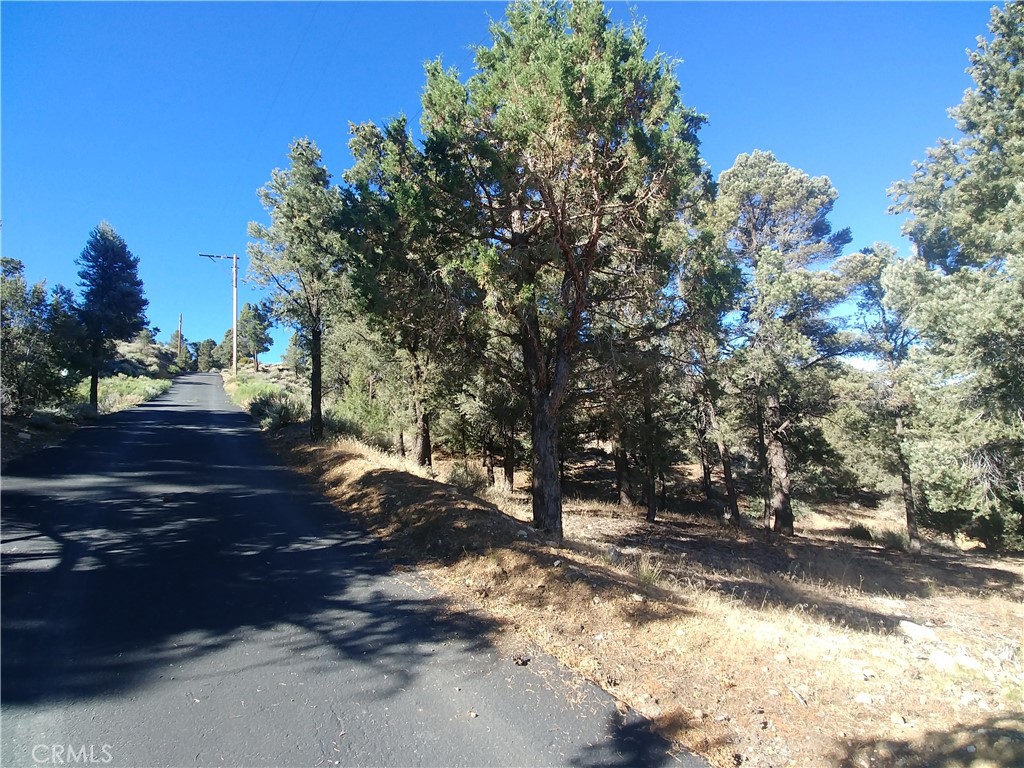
pixel 20 436
pixel 819 650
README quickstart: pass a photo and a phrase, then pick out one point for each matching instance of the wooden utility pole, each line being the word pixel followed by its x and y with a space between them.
pixel 234 307
pixel 179 334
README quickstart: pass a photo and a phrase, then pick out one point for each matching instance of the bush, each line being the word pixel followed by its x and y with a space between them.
pixel 858 531
pixel 273 410
pixel 357 416
pixel 896 540
pixel 119 392
pixel 248 389
pixel 467 479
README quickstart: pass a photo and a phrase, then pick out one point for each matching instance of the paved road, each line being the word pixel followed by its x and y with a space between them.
pixel 173 596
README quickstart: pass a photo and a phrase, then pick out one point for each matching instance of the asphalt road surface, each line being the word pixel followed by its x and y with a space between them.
pixel 173 596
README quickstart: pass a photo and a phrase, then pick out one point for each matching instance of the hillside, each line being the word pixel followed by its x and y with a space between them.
pixel 821 649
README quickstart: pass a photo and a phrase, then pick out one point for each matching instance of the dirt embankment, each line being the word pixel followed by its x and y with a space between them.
pixel 812 651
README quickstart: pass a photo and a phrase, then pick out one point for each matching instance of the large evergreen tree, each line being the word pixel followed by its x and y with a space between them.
pixel 112 306
pixel 205 355
pixel 564 154
pixel 965 290
pixel 888 338
pixel 254 332
pixel 298 255
pixel 395 273
pixel 774 220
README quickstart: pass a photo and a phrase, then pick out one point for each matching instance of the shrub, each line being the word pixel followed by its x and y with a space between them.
pixel 119 392
pixel 357 416
pixel 893 540
pixel 466 478
pixel 274 410
pixel 648 569
pixel 858 531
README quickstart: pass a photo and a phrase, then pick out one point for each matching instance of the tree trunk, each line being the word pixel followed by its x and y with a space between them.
pixel 781 499
pixel 705 462
pixel 422 449
pixel 650 464
pixel 401 443
pixel 489 460
pixel 94 376
pixel 913 535
pixel 762 460
pixel 547 488
pixel 547 374
pixel 622 471
pixel 732 511
pixel 94 387
pixel 649 488
pixel 509 459
pixel 316 375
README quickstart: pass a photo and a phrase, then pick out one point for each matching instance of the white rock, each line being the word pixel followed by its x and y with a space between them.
pixel 917 632
pixel 942 661
pixel 965 661
pixel 863 698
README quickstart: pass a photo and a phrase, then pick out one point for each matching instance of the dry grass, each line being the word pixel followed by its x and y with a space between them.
pixel 749 652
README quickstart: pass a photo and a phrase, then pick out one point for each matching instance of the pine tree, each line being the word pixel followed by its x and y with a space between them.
pixel 300 254
pixel 395 272
pixel 774 219
pixel 254 332
pixel 112 306
pixel 562 156
pixel 887 337
pixel 295 356
pixel 965 290
pixel 205 351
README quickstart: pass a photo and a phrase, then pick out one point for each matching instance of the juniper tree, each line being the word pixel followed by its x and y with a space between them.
pixel 300 254
pixel 563 155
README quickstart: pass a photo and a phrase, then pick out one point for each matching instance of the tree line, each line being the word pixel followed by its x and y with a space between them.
pixel 50 340
pixel 550 264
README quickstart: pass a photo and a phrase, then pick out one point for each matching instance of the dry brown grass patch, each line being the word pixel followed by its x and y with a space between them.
pixel 749 652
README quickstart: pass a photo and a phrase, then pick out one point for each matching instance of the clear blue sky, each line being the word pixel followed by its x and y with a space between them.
pixel 164 118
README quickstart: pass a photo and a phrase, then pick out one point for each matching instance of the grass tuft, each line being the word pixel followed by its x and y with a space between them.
pixel 119 392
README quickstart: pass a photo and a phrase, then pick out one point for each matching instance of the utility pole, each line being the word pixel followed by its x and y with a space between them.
pixel 179 334
pixel 234 307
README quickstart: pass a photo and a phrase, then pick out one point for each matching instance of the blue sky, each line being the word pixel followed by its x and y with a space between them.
pixel 165 118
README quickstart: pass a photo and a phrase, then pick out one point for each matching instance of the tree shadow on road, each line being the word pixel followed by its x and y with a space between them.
pixel 633 743
pixel 157 537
